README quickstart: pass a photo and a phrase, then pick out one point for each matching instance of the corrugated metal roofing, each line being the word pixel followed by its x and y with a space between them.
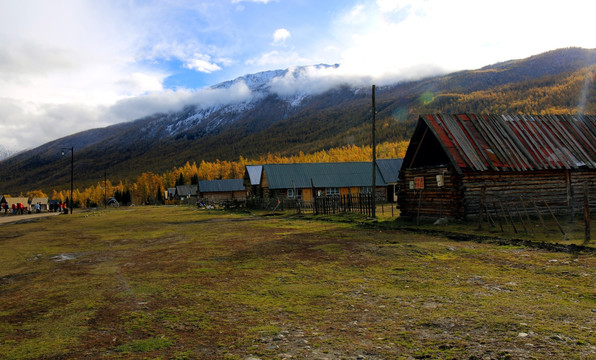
pixel 389 168
pixel 345 174
pixel 221 185
pixel 516 142
pixel 254 173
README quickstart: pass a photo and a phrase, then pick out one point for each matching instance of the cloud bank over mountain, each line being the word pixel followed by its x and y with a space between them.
pixel 72 65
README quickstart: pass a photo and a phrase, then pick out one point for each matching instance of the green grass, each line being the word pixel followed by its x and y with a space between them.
pixel 183 283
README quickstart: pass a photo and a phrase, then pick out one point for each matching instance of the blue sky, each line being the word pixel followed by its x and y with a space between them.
pixel 71 65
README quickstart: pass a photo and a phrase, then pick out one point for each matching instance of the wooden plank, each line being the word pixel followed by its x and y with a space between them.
pixel 470 127
pixel 510 140
pixel 495 143
pixel 585 145
pixel 538 142
pixel 572 150
pixel 529 146
pixel 478 126
pixel 455 163
pixel 523 151
pixel 466 146
pixel 548 143
pixel 554 144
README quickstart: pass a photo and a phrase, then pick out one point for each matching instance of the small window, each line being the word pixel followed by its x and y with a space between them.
pixel 332 191
pixel 294 194
pixel 365 189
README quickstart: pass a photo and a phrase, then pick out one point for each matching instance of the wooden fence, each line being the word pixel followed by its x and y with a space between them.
pixel 326 205
pixel 361 204
pixel 530 216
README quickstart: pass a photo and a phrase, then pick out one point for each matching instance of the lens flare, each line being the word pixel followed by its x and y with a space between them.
pixel 427 97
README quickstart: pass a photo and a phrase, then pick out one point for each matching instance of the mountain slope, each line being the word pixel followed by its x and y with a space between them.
pixel 556 81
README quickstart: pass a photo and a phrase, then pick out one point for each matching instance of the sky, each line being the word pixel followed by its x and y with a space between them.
pixel 71 65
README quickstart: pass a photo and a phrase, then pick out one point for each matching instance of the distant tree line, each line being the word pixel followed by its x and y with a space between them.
pixel 149 188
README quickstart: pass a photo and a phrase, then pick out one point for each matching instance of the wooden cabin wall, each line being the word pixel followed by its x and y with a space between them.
pixel 461 194
pixel 578 179
pixel 512 189
pixel 435 201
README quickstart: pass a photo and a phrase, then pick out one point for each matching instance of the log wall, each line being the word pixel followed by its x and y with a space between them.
pixel 560 189
pixel 433 200
pixel 461 195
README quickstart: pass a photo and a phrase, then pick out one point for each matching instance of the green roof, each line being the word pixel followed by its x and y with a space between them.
pixel 323 175
pixel 221 185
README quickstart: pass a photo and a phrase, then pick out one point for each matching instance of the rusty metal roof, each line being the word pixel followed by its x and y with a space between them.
pixel 516 142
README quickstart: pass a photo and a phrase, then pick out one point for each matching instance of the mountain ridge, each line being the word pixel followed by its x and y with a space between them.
pixel 275 122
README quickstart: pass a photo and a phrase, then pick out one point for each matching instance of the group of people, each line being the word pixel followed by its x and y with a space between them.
pixel 17 208
pixel 20 209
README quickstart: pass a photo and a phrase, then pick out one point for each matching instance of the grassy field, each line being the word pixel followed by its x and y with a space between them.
pixel 183 283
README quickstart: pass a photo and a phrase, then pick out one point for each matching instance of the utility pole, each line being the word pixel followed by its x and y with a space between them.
pixel 374 157
pixel 105 189
pixel 64 150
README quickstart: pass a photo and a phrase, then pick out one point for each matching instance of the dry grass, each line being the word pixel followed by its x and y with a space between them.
pixel 180 283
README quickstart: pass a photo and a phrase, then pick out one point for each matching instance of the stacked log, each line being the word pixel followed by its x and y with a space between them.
pixel 432 200
pixel 461 196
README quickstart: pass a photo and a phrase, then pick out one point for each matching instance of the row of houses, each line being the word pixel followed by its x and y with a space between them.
pixel 458 166
pixel 300 181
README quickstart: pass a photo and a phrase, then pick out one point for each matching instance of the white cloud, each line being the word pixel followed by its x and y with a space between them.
pixel 280 36
pixel 169 100
pixel 70 65
pixel 139 83
pixel 31 124
pixel 202 63
pixel 412 38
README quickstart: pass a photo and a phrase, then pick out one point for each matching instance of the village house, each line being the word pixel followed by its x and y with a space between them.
pixel 170 193
pixel 42 201
pixel 222 190
pixel 459 165
pixel 303 180
pixel 9 201
pixel 186 192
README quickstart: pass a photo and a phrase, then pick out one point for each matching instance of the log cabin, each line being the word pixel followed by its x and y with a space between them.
pixel 462 165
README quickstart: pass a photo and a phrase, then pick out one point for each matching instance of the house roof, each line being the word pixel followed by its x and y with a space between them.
pixel 221 185
pixel 344 174
pixel 511 142
pixel 389 168
pixel 254 173
pixel 41 200
pixel 186 190
pixel 16 200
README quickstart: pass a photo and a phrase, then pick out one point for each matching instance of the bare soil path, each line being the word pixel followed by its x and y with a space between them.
pixel 11 219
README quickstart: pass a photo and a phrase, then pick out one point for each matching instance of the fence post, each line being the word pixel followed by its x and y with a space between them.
pixel 482 194
pixel 586 213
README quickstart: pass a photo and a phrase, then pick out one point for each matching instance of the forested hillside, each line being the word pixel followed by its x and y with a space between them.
pixel 559 81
